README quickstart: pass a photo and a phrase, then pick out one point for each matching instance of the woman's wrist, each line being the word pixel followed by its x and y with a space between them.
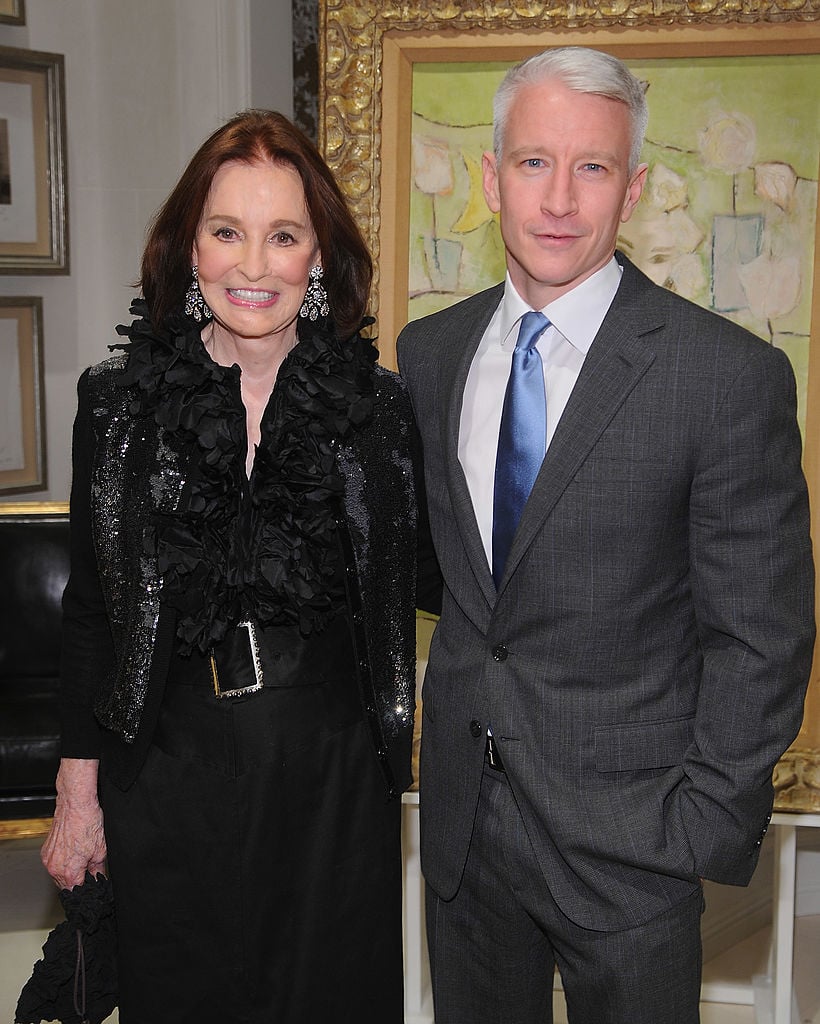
pixel 77 779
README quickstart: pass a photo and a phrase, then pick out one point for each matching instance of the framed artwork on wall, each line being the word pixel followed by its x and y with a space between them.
pixel 33 196
pixel 22 408
pixel 729 217
pixel 12 12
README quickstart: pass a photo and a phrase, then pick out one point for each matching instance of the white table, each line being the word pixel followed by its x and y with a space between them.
pixel 781 959
pixel 418 995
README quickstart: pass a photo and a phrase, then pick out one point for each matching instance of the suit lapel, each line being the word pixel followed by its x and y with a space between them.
pixel 618 358
pixel 455 368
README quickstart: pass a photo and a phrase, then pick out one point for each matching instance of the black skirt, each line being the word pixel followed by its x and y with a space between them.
pixel 256 861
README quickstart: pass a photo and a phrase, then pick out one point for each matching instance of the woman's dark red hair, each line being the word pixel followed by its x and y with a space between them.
pixel 258 135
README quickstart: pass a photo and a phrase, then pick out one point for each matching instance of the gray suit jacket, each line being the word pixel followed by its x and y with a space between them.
pixel 644 662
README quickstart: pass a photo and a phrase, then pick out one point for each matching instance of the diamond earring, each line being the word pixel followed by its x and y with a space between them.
pixel 195 305
pixel 315 303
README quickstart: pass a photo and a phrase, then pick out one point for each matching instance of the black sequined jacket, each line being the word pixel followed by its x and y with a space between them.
pixel 119 631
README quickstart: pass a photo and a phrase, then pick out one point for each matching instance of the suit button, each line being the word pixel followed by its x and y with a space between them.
pixel 500 652
pixel 475 729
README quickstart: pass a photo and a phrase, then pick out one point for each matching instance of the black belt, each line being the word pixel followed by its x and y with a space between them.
pixel 492 755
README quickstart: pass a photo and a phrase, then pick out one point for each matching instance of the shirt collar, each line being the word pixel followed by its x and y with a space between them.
pixel 577 315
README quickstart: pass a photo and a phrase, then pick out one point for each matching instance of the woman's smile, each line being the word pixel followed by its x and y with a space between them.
pixel 255 298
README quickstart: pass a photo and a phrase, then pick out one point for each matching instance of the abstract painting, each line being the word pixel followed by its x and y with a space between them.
pixel 728 215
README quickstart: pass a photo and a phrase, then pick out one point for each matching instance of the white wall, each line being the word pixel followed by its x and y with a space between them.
pixel 271 55
pixel 145 83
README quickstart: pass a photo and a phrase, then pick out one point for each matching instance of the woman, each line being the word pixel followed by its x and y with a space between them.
pixel 238 642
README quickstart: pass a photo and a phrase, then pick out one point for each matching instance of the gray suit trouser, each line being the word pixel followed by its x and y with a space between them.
pixel 494 946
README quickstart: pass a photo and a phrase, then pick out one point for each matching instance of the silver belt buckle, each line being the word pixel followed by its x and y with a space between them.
pixel 255 661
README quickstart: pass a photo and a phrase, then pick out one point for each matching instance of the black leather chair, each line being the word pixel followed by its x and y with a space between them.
pixel 34 559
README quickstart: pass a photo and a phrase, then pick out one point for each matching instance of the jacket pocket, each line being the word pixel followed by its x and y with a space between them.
pixel 637 746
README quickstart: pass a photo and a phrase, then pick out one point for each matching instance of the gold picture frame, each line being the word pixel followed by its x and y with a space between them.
pixel 367 56
pixel 12 12
pixel 22 415
pixel 33 185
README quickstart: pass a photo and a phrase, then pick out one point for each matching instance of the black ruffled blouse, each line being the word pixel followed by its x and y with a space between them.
pixel 264 548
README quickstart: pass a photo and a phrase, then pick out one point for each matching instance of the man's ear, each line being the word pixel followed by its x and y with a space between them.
pixel 489 172
pixel 633 192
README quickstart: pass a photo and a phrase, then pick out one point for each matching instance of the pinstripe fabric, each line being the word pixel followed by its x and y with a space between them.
pixel 494 946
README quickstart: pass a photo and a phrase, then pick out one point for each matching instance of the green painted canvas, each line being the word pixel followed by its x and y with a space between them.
pixel 728 215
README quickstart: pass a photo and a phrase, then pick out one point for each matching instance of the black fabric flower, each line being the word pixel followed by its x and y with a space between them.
pixel 267 548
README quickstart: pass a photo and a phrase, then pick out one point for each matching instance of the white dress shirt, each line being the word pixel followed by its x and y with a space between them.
pixel 574 321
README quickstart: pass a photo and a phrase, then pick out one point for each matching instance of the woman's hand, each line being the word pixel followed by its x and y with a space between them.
pixel 76 842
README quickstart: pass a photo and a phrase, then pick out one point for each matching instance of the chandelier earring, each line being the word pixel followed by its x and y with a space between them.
pixel 195 305
pixel 315 303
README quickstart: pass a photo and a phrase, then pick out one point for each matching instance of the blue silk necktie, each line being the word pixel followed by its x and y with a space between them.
pixel 522 439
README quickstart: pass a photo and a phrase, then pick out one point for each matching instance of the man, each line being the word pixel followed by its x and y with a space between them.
pixel 615 673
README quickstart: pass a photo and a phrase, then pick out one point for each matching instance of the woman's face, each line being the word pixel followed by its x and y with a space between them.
pixel 255 247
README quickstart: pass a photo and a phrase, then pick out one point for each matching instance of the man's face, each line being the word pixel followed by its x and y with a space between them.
pixel 562 187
